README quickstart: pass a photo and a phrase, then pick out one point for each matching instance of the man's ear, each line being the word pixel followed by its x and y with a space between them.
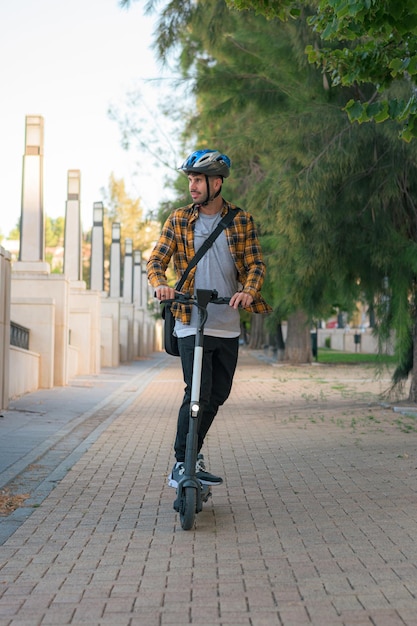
pixel 219 182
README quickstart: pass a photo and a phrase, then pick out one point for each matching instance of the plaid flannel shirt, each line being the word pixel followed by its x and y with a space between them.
pixel 177 241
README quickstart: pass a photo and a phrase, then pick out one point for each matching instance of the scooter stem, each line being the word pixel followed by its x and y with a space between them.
pixel 203 298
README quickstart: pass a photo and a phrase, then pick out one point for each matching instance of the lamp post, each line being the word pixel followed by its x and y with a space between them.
pixel 115 261
pixel 137 278
pixel 97 249
pixel 128 272
pixel 98 212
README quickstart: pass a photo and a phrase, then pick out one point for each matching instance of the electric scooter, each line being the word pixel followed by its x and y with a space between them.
pixel 191 493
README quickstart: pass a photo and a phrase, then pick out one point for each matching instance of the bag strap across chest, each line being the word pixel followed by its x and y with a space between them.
pixel 224 223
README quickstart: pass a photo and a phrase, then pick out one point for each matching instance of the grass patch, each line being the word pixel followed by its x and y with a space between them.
pixel 326 355
pixel 407 423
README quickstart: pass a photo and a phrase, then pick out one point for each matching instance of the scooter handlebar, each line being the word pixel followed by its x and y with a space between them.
pixel 192 299
pixel 220 300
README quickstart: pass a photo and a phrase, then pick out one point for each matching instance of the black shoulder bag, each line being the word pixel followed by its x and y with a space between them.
pixel 170 341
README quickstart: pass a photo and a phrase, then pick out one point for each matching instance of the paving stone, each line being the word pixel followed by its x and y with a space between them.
pixel 315 522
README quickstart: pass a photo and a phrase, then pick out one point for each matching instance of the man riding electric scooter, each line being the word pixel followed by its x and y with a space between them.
pixel 233 266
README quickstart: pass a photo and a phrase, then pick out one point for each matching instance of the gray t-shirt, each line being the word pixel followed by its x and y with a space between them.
pixel 215 270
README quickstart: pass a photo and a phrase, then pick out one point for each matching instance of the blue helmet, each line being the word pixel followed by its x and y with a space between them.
pixel 208 162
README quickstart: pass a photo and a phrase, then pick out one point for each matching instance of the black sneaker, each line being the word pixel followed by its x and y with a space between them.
pixel 176 474
pixel 203 475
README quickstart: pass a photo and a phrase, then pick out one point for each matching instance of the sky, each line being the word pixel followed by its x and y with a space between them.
pixel 69 61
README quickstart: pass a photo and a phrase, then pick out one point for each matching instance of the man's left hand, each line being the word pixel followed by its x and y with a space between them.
pixel 241 299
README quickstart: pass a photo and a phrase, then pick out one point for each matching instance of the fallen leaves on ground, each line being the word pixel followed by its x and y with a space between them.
pixel 9 502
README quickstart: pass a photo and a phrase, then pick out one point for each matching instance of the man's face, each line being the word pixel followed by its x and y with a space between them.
pixel 198 187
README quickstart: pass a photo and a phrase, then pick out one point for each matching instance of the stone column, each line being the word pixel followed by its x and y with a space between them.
pixel 115 261
pixel 128 272
pixel 127 308
pixel 32 226
pixel 5 356
pixel 145 287
pixel 137 278
pixel 72 239
pixel 97 249
pixel 39 299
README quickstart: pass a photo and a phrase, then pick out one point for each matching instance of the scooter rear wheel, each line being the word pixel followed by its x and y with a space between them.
pixel 188 507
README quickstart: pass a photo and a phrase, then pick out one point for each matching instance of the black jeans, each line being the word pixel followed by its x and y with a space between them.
pixel 219 365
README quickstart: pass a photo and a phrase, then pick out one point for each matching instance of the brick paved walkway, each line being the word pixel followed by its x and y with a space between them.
pixel 316 522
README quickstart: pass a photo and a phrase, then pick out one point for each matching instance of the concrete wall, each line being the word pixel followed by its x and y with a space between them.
pixel 24 372
pixel 38 315
pixel 5 273
pixel 344 340
pixel 84 325
pixel 53 288
pixel 127 344
pixel 73 356
pixel 110 332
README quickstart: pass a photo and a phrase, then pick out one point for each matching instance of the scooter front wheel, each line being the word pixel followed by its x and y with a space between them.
pixel 188 507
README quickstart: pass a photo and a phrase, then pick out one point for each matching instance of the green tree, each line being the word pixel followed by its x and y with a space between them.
pixel 54 242
pixel 54 231
pixel 15 232
pixel 245 77
pixel 121 207
pixel 334 200
pixel 361 42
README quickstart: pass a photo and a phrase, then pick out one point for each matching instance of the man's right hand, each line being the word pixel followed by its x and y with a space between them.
pixel 165 293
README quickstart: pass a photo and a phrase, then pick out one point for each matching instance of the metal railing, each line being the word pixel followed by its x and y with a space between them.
pixel 19 336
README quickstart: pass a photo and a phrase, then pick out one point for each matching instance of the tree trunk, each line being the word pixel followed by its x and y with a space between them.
pixel 274 340
pixel 257 333
pixel 280 343
pixel 298 344
pixel 413 387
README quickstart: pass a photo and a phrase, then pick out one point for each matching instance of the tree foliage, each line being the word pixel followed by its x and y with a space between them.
pixel 334 201
pixel 361 41
pixel 122 208
pixel 54 231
